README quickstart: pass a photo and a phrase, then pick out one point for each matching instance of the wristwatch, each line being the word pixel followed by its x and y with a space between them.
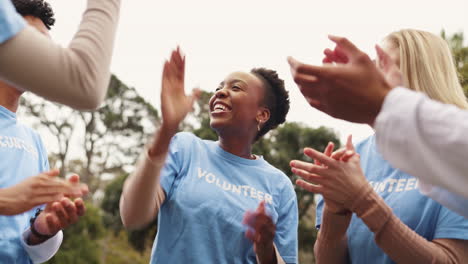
pixel 33 229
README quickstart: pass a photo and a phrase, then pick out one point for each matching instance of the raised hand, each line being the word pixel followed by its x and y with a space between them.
pixel 337 55
pixel 41 189
pixel 352 88
pixel 261 231
pixel 331 205
pixel 175 104
pixel 336 180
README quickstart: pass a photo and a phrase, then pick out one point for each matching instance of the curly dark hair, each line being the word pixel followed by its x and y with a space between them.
pixel 36 8
pixel 276 99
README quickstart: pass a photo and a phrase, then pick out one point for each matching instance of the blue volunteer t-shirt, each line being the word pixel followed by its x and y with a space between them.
pixel 22 155
pixel 10 21
pixel 208 191
pixel 400 191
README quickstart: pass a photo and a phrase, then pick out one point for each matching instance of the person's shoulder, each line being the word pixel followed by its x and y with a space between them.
pixel 34 136
pixel 187 141
pixel 364 144
pixel 365 141
pixel 30 131
pixel 185 137
pixel 275 171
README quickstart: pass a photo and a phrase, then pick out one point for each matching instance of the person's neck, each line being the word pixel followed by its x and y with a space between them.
pixel 236 144
pixel 9 97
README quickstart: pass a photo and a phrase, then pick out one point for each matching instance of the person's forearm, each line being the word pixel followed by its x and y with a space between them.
pixel 274 258
pixel 4 202
pixel 142 194
pixel 77 76
pixel 434 144
pixel 9 201
pixel 332 245
pixel 396 239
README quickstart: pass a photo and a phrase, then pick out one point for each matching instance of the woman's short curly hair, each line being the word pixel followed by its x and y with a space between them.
pixel 276 99
pixel 36 8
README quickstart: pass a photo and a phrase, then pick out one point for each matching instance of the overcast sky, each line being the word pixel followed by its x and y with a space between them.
pixel 220 36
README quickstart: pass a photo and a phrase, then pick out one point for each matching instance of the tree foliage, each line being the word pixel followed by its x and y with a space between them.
pixel 111 137
pixel 460 56
pixel 80 244
pixel 138 239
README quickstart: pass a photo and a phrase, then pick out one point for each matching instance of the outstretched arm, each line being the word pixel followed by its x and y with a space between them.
pixel 353 89
pixel 37 190
pixel 78 75
pixel 143 195
pixel 437 131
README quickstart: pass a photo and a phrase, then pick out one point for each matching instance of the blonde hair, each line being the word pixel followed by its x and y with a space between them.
pixel 427 66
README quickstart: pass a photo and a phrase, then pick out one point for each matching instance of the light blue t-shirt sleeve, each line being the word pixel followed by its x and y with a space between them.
pixel 318 211
pixel 286 234
pixel 174 160
pixel 451 225
pixel 10 21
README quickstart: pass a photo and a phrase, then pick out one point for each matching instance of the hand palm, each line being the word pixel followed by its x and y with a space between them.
pixel 331 205
pixel 41 224
pixel 175 103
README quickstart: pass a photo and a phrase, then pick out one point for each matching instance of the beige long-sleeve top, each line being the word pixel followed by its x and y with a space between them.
pixel 396 239
pixel 78 75
pixel 433 147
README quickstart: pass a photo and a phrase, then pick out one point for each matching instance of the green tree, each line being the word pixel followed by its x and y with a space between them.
pixel 113 136
pixel 138 239
pixel 112 139
pixel 58 120
pixel 80 244
pixel 460 55
pixel 116 133
pixel 201 118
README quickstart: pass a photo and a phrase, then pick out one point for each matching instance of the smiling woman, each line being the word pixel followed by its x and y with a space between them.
pixel 372 212
pixel 205 191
